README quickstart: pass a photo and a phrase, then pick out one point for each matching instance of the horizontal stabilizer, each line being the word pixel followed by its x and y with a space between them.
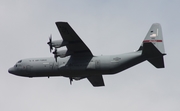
pixel 157 62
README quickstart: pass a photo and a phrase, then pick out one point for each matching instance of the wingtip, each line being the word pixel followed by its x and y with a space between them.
pixel 156 24
pixel 60 22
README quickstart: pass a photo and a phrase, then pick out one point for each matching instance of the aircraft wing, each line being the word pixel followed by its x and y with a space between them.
pixel 96 80
pixel 74 43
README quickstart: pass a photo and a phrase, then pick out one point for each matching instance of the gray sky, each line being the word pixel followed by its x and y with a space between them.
pixel 107 27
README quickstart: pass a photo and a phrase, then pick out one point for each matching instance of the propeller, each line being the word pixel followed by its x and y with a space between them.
pixel 71 79
pixel 55 54
pixel 50 43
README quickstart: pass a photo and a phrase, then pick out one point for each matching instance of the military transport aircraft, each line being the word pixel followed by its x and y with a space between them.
pixel 78 62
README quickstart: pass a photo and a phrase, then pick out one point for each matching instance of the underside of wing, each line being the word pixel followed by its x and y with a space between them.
pixel 74 43
pixel 96 80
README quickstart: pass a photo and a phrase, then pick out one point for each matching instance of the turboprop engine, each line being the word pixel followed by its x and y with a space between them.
pixel 56 43
pixel 61 53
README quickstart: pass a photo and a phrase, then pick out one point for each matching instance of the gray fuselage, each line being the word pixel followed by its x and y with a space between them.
pixel 80 66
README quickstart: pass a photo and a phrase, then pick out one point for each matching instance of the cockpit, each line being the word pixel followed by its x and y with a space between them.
pixel 17 63
pixel 18 68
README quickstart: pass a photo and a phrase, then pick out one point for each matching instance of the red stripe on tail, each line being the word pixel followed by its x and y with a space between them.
pixel 146 41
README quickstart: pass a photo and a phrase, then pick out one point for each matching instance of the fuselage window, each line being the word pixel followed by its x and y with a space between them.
pixel 19 61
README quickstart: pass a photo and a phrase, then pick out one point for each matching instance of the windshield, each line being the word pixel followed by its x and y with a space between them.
pixel 19 61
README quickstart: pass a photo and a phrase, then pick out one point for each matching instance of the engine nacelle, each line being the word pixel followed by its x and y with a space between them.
pixel 63 53
pixel 58 43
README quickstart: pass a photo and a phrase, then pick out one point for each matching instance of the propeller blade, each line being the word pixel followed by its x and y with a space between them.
pixel 55 58
pixel 55 51
pixel 50 43
pixel 55 54
pixel 71 79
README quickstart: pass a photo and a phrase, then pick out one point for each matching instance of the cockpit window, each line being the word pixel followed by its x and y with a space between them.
pixel 19 61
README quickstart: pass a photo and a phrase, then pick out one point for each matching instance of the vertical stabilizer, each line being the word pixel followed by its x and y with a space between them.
pixel 155 37
pixel 153 47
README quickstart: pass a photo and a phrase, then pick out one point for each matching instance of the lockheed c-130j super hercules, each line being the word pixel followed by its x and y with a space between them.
pixel 77 62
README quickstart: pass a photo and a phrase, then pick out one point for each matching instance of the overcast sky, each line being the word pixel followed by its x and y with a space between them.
pixel 107 27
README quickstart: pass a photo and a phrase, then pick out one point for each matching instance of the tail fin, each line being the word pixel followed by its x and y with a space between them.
pixel 152 47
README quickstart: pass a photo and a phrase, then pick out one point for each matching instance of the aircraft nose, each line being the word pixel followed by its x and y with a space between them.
pixel 11 70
